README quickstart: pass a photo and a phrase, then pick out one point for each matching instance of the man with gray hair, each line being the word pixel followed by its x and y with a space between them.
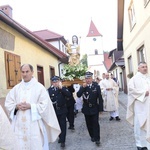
pixel 138 108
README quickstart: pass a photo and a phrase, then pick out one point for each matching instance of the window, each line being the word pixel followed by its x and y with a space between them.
pixel 40 74
pixel 13 73
pixel 130 64
pixel 146 2
pixel 96 52
pixel 141 54
pixel 131 12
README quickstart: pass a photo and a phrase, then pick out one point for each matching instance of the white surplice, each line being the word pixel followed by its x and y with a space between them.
pixel 34 126
pixel 109 96
pixel 138 108
pixel 7 136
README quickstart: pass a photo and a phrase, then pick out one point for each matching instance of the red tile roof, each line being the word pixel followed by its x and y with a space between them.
pixel 47 35
pixel 107 61
pixel 93 30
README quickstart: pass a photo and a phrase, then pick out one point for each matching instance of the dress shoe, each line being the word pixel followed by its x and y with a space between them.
pixel 72 128
pixel 111 118
pixel 117 118
pixel 97 143
pixel 142 148
pixel 59 141
pixel 62 145
pixel 92 139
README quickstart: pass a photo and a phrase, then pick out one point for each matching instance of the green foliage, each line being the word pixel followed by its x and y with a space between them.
pixel 84 60
pixel 72 72
pixel 130 75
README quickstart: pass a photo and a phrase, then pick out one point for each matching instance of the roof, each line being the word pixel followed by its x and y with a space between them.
pixel 117 54
pixel 107 60
pixel 27 33
pixel 49 35
pixel 93 30
pixel 111 52
pixel 119 62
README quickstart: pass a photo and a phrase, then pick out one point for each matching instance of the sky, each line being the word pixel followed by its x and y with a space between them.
pixel 68 17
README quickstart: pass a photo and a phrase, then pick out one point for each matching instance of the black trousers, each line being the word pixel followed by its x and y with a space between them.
pixel 70 115
pixel 62 123
pixel 92 123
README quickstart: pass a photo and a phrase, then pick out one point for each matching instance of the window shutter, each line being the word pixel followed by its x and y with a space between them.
pixel 11 69
pixel 17 69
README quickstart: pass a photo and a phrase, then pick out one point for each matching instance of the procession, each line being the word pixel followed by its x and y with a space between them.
pixel 74 83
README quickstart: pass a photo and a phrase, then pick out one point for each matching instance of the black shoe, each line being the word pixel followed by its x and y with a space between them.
pixel 142 148
pixel 92 139
pixel 72 128
pixel 117 118
pixel 111 118
pixel 97 143
pixel 62 145
pixel 59 141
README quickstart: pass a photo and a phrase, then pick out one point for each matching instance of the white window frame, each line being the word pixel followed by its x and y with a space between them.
pixel 130 64
pixel 141 54
pixel 132 18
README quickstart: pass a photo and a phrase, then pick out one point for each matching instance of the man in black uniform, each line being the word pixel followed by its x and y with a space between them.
pixel 70 108
pixel 92 105
pixel 58 95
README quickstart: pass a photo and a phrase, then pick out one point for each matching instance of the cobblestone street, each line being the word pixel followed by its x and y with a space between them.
pixel 114 135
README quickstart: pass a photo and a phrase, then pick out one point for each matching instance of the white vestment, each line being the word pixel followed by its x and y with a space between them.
pixel 79 100
pixel 109 96
pixel 33 126
pixel 138 108
pixel 7 136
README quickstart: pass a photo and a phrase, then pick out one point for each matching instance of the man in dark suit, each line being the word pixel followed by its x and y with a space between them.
pixel 58 95
pixel 92 105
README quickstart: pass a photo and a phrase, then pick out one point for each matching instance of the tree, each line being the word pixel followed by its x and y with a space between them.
pixel 84 60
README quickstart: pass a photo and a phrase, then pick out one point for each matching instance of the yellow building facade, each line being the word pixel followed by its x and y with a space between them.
pixel 28 49
pixel 136 34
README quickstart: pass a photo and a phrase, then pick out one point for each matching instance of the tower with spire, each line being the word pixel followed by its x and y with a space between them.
pixel 94 51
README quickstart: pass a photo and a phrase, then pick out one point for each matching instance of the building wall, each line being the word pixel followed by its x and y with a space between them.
pixel 95 62
pixel 139 35
pixel 30 53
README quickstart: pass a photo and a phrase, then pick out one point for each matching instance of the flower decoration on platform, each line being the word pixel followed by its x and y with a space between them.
pixel 72 72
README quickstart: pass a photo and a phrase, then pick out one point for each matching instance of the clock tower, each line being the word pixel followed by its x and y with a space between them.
pixel 95 54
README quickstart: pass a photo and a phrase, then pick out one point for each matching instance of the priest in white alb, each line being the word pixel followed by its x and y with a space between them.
pixel 110 96
pixel 31 113
pixel 138 108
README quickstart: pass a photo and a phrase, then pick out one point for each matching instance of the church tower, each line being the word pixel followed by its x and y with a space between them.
pixel 95 54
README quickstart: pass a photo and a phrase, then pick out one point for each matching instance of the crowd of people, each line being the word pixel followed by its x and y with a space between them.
pixel 39 116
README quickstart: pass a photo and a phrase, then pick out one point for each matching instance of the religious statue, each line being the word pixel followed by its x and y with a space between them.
pixel 74 51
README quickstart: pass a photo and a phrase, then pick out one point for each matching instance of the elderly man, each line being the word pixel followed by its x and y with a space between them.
pixel 92 105
pixel 31 113
pixel 138 108
pixel 110 91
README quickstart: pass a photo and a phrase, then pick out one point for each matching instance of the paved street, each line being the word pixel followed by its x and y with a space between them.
pixel 114 135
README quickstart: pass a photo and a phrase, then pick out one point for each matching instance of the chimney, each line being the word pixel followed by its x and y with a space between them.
pixel 7 10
